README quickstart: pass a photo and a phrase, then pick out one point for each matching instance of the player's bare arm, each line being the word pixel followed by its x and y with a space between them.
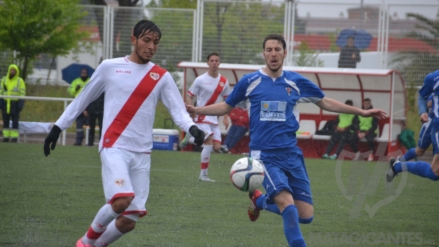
pixel 190 101
pixel 213 110
pixel 332 105
pixel 226 121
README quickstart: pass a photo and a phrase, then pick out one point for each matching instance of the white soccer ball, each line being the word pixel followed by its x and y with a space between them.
pixel 247 174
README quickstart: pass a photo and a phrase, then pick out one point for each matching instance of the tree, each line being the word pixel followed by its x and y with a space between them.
pixel 414 64
pixel 245 26
pixel 119 29
pixel 306 57
pixel 179 4
pixel 33 27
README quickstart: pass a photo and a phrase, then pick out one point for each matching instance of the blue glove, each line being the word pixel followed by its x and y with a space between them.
pixel 51 139
pixel 197 134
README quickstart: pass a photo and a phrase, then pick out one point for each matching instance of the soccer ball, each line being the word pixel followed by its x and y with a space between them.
pixel 247 174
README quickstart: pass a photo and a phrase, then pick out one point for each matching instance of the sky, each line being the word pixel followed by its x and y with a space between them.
pixel 428 8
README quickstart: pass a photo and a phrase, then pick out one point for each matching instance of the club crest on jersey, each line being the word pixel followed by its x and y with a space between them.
pixel 120 182
pixel 288 90
pixel 154 76
pixel 222 84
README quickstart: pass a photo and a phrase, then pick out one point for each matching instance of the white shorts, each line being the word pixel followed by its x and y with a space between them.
pixel 211 129
pixel 126 173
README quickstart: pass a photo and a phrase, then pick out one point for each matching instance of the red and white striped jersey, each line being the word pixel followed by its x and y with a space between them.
pixel 131 94
pixel 209 90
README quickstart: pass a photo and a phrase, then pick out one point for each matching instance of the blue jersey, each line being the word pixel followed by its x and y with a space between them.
pixel 271 104
pixel 431 86
pixel 430 110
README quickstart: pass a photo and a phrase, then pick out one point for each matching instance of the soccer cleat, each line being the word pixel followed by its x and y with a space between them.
pixel 333 157
pixel 205 178
pixel 370 157
pixel 391 173
pixel 325 156
pixel 185 141
pixel 253 210
pixel 224 149
pixel 80 244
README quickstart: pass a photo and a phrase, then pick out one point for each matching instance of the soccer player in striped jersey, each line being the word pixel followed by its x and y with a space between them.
pixel 132 85
pixel 208 88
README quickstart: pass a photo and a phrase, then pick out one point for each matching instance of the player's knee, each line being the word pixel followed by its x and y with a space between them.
pixel 216 148
pixel 306 220
pixel 435 168
pixel 126 223
pixel 120 204
pixel 419 151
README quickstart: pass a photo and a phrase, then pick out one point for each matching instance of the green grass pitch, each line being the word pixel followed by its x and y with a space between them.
pixel 51 201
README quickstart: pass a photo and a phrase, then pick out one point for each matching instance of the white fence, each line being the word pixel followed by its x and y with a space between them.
pixel 30 126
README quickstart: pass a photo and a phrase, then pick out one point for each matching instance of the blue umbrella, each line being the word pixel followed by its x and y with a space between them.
pixel 362 38
pixel 73 71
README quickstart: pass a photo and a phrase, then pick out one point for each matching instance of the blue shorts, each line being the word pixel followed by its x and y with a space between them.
pixel 424 140
pixel 435 142
pixel 285 170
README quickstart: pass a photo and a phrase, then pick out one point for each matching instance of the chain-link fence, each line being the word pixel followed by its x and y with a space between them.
pixel 402 37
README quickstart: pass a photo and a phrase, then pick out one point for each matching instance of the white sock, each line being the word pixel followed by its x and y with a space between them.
pixel 109 236
pixel 203 172
pixel 104 216
pixel 205 158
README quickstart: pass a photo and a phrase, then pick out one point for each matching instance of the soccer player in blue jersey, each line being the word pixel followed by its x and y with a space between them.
pixel 271 96
pixel 424 140
pixel 422 168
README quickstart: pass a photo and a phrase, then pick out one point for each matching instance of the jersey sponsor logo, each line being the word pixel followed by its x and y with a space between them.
pixel 272 116
pixel 154 76
pixel 120 182
pixel 123 71
pixel 273 111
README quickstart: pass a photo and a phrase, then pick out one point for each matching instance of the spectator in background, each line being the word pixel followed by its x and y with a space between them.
pixel 95 111
pixel 11 85
pixel 74 89
pixel 240 125
pixel 364 127
pixel 342 132
pixel 349 55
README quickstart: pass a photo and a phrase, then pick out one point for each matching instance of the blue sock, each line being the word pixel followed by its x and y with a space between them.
pixel 271 207
pixel 292 232
pixel 306 221
pixel 419 168
pixel 411 154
